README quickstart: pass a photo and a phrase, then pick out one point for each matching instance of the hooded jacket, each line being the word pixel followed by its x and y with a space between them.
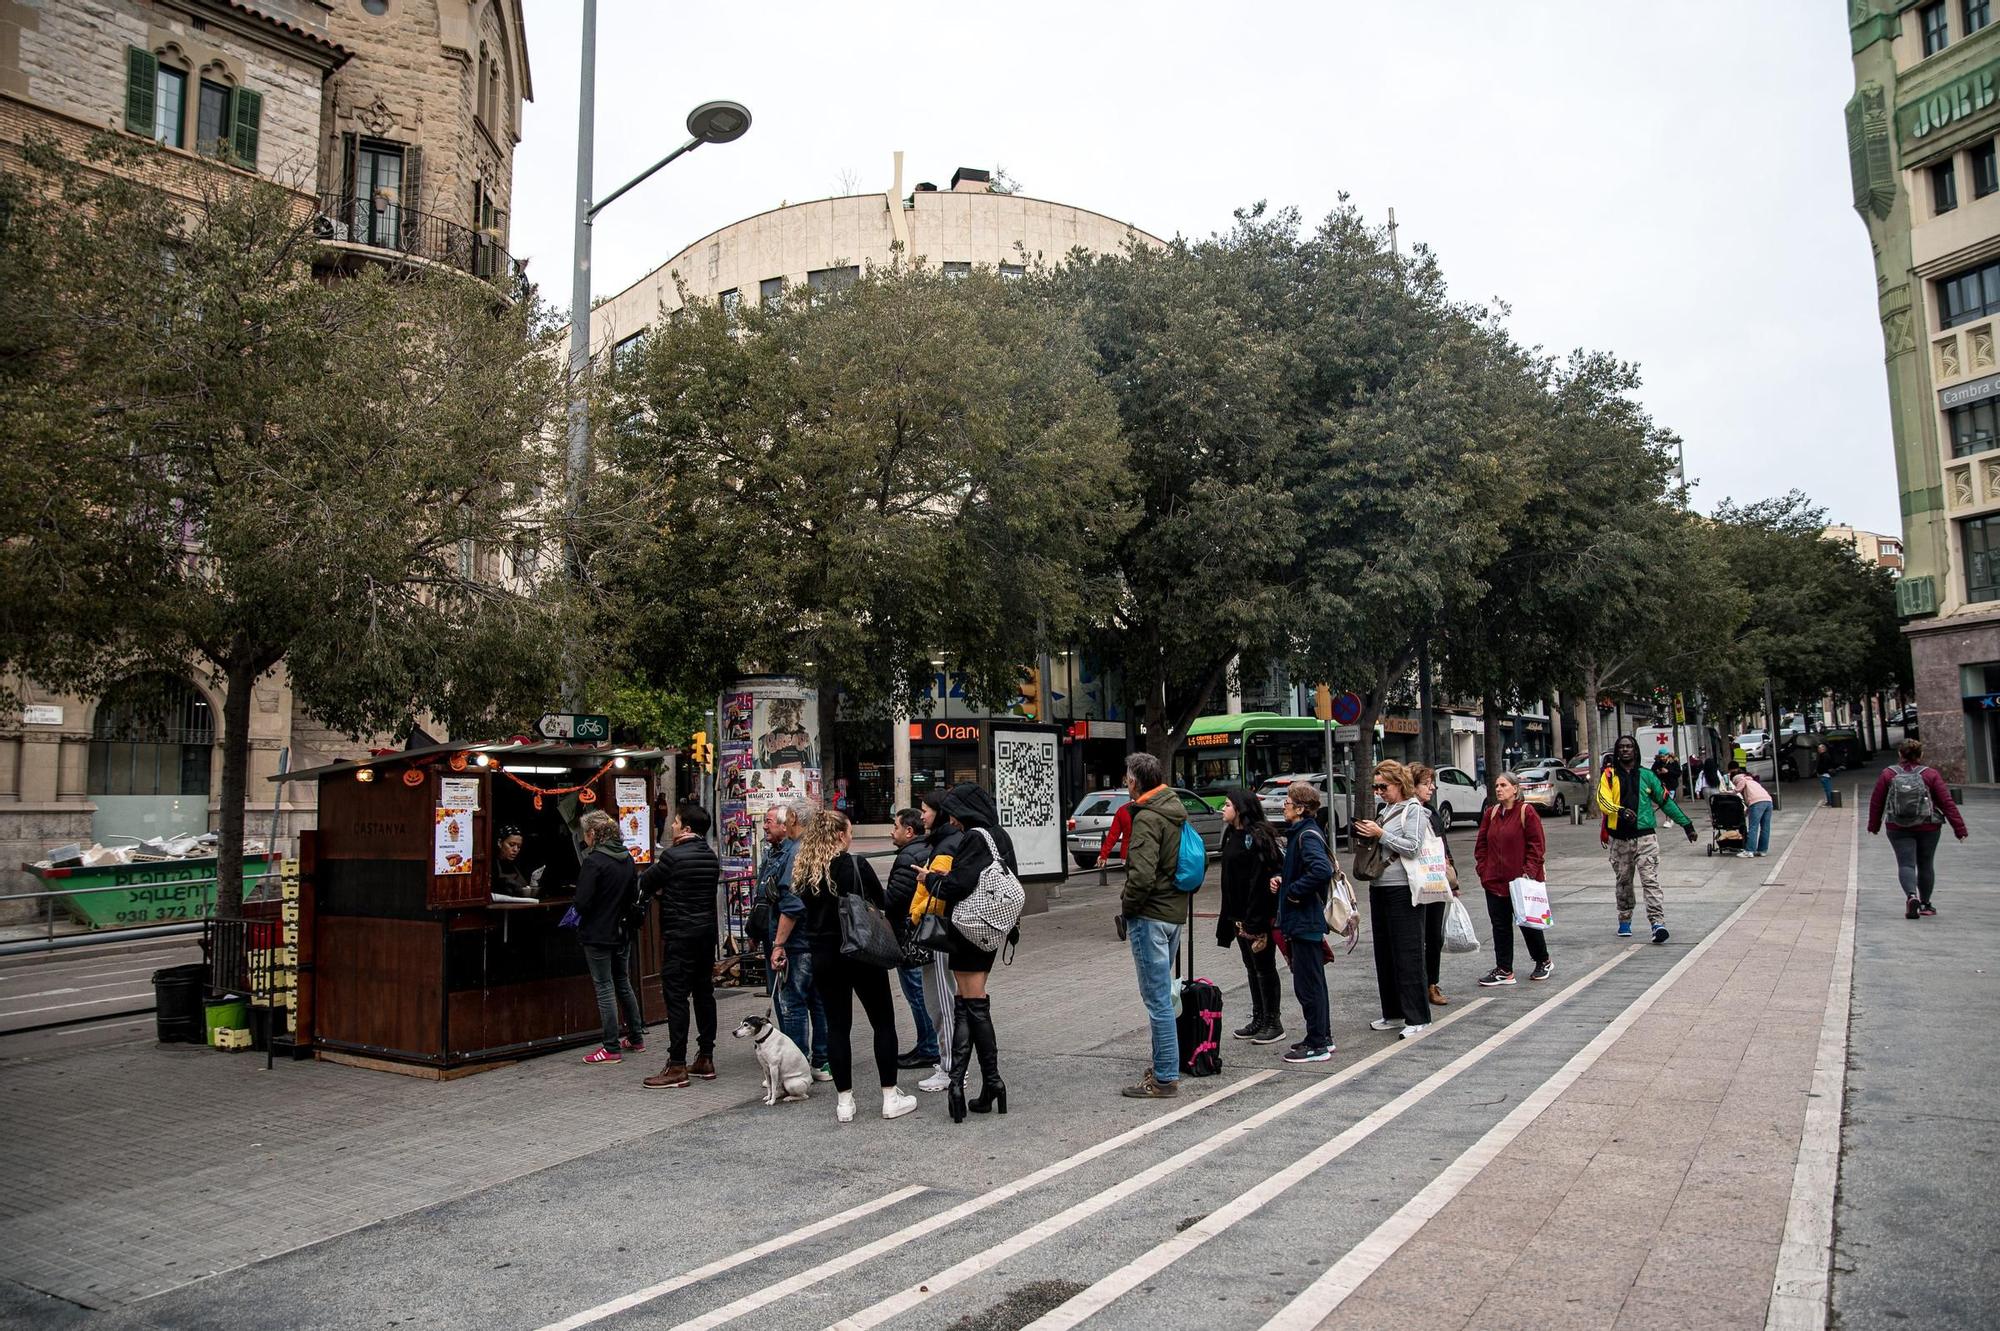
pixel 975 810
pixel 1150 894
pixel 604 885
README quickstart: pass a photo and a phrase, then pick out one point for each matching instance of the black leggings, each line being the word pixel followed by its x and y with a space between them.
pixel 1500 914
pixel 1916 857
pixel 840 981
pixel 1262 968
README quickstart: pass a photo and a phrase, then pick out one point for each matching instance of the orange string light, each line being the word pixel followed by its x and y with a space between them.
pixel 583 792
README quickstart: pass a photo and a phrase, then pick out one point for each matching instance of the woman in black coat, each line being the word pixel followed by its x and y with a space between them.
pixel 977 820
pixel 1250 856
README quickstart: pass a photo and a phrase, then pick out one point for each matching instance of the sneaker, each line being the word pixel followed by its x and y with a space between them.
pixel 1542 971
pixel 1496 977
pixel 1385 1023
pixel 939 1080
pixel 823 1072
pixel 1746 855
pixel 1760 854
pixel 1271 1033
pixel 603 1055
pixel 669 1078
pixel 1912 908
pixel 916 1059
pixel 1659 933
pixel 897 1102
pixel 1412 1032
pixel 632 1046
pixel 843 1108
pixel 1318 1054
pixel 1251 1031
pixel 702 1067
pixel 1926 909
pixel 1624 928
pixel 1150 1087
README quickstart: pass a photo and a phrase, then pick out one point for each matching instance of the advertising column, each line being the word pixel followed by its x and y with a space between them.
pixel 768 755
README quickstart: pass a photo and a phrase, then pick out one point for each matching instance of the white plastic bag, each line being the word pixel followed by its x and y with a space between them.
pixel 1458 932
pixel 1531 904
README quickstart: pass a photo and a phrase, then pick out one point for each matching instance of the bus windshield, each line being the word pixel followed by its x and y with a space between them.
pixel 1209 771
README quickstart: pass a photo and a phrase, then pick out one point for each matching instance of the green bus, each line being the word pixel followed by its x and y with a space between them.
pixel 1246 749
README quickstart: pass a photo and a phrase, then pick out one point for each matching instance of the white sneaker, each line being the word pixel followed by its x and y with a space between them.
pixel 843 1108
pixel 1384 1024
pixel 1412 1032
pixel 822 1073
pixel 897 1102
pixel 939 1080
pixel 1745 855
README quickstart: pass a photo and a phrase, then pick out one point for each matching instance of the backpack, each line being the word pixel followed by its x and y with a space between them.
pixel 1192 866
pixel 1909 803
pixel 1199 1028
pixel 987 916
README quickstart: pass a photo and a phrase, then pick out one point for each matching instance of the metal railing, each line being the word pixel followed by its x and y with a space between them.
pixel 161 928
pixel 417 235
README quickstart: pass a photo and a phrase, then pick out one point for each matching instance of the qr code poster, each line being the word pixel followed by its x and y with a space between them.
pixel 1027 787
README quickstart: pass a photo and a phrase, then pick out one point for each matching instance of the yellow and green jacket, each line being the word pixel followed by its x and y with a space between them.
pixel 1652 794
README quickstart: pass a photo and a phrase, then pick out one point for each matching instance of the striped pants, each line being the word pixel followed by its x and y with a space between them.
pixel 943 992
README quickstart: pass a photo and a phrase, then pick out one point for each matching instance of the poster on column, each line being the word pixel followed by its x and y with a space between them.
pixel 733 773
pixel 635 817
pixel 738 710
pixel 1026 785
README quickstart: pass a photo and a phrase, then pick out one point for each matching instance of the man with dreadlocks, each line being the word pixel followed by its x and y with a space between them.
pixel 1627 795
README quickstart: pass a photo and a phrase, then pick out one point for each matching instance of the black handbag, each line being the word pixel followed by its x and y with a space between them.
pixel 1369 858
pixel 865 935
pixel 933 933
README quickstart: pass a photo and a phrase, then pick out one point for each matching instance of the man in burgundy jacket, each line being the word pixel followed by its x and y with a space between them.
pixel 1915 841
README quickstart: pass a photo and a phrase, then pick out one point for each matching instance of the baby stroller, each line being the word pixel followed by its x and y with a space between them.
pixel 1726 823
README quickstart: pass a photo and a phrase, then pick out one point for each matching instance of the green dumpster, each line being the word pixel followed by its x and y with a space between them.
pixel 165 892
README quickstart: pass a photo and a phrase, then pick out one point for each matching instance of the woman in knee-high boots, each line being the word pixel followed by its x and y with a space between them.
pixel 973 813
pixel 1250 855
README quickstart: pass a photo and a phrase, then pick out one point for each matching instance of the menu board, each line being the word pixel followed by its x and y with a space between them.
pixel 451 842
pixel 635 817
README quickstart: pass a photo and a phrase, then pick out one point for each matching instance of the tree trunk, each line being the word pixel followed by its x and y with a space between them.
pixel 1559 731
pixel 1593 719
pixel 239 678
pixel 1496 761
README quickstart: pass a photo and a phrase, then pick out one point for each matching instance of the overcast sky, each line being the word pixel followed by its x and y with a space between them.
pixel 1666 182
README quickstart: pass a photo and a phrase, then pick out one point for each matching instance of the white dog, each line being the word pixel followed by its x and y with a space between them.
pixel 785 1066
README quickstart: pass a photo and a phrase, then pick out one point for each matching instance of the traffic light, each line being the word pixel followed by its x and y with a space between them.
pixel 1029 703
pixel 1322 702
pixel 700 751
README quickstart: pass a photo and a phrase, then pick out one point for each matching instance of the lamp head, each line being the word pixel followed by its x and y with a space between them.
pixel 718 122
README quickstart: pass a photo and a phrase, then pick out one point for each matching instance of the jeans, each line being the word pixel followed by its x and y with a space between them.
pixel 1826 785
pixel 687 972
pixel 1757 836
pixel 611 974
pixel 1916 852
pixel 798 1004
pixel 841 982
pixel 1309 987
pixel 1399 953
pixel 912 978
pixel 1154 943
pixel 1500 914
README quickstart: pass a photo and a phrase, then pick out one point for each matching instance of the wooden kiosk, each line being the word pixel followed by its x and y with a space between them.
pixel 405 957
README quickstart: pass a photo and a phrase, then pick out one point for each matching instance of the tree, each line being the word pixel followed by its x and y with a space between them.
pixel 1203 380
pixel 325 475
pixel 848 484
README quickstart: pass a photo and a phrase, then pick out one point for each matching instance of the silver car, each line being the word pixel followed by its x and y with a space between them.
pixel 1091 819
pixel 1554 787
pixel 1339 804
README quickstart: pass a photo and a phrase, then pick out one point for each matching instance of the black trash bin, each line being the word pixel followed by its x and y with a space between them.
pixel 177 1001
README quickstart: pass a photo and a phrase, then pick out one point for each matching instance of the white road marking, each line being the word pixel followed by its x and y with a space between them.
pixel 63 972
pixel 826 1270
pixel 1130 1276
pixel 898 1304
pixel 1345 1276
pixel 736 1259
pixel 1805 1257
pixel 127 985
pixel 58 1007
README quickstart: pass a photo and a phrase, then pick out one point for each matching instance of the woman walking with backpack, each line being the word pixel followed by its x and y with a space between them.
pixel 1511 845
pixel 1911 796
pixel 1250 855
pixel 981 842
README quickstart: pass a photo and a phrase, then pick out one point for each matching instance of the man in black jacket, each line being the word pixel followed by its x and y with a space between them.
pixel 911 853
pixel 685 879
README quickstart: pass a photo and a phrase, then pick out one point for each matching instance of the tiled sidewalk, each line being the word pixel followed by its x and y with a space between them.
pixel 1654 1190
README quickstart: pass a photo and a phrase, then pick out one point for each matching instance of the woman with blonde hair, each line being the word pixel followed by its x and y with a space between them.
pixel 1398 926
pixel 826 870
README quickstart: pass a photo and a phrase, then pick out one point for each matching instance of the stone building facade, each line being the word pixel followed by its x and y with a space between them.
pixel 396 121
pixel 1924 142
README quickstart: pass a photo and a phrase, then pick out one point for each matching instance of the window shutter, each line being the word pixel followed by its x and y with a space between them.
pixel 413 185
pixel 246 118
pixel 142 77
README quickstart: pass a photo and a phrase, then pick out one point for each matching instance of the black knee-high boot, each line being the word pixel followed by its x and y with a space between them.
pixel 961 1055
pixel 1259 1006
pixel 992 1091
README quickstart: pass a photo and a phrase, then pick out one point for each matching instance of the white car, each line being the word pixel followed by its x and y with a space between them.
pixel 1458 795
pixel 1754 743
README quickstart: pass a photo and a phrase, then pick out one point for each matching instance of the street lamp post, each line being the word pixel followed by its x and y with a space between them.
pixel 711 122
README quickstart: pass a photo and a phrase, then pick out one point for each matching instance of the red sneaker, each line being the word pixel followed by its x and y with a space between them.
pixel 630 1045
pixel 603 1055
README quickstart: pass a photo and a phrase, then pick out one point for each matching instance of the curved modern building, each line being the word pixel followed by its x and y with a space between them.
pixel 829 241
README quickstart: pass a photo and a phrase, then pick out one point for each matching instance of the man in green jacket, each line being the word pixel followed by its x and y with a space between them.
pixel 1627 795
pixel 1154 910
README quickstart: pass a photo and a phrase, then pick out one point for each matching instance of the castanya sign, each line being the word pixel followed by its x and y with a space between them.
pixel 1953 102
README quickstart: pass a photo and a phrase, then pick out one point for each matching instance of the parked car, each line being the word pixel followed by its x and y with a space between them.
pixel 1458 795
pixel 1555 788
pixel 1754 743
pixel 1091 819
pixel 1339 803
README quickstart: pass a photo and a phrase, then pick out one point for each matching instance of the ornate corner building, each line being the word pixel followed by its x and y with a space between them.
pixel 1923 131
pixel 395 123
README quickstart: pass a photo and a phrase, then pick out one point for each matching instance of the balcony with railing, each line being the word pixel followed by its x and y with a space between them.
pixel 363 225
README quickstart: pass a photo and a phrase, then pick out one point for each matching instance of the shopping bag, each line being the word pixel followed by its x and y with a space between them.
pixel 1531 903
pixel 1458 932
pixel 1430 880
